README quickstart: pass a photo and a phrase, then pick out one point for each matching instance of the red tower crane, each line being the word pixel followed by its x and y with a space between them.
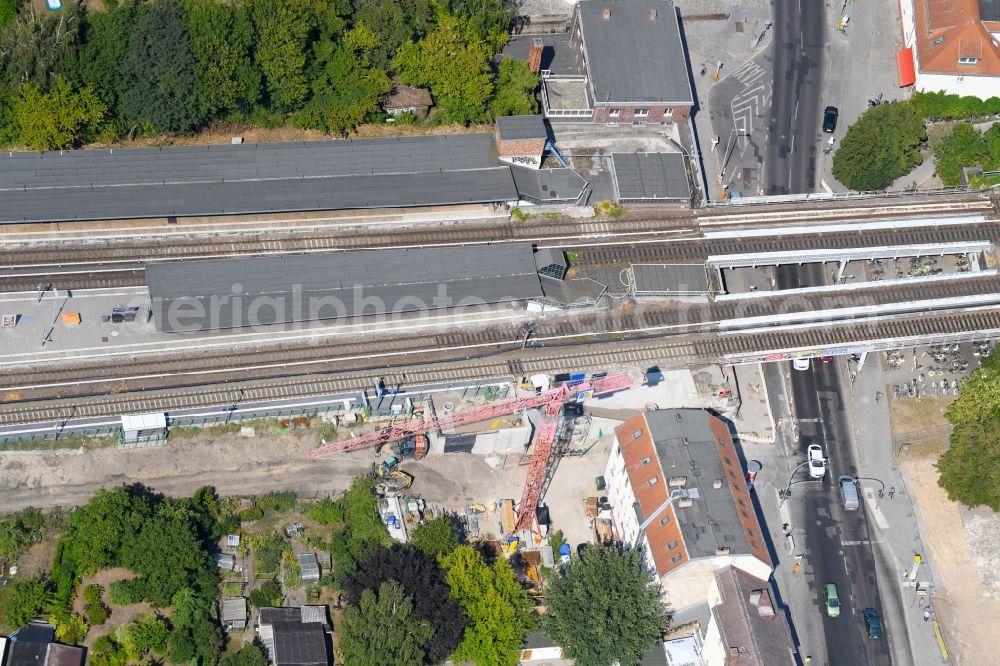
pixel 552 401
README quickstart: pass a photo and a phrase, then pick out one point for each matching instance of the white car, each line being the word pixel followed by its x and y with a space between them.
pixel 800 363
pixel 817 463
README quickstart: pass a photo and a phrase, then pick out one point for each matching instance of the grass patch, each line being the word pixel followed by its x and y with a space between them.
pixel 64 443
pixel 984 181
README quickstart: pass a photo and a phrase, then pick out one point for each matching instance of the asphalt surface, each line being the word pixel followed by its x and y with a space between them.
pixel 800 32
pixel 838 542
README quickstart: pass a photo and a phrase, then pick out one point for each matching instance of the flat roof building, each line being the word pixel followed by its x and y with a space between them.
pixel 208 294
pixel 669 280
pixel 650 177
pixel 123 183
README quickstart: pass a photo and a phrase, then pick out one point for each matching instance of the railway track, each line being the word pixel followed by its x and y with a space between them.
pixel 105 267
pixel 568 355
pixel 133 371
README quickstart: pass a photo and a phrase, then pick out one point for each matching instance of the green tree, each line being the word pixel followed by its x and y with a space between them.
pixel 970 469
pixel 57 119
pixel 490 18
pixel 158 80
pixel 515 89
pixel 435 537
pixel 454 62
pixel 604 609
pixel 268 594
pixel 423 581
pixel 8 11
pixel 498 608
pixel 362 531
pixel 964 146
pixel 387 20
pixel 188 608
pixel 101 54
pixel 251 654
pixel 350 89
pixel 992 138
pixel 36 47
pixel 382 630
pixel 222 38
pixel 882 146
pixel 281 37
pixel 23 601
pixel 70 627
pixel 142 636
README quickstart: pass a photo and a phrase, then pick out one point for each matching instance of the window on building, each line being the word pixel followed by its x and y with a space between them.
pixel 614 112
pixel 745 515
pixel 968 61
pixel 637 434
pixel 753 544
pixel 675 557
pixel 641 113
pixel 667 113
pixel 672 545
pixel 646 460
pixel 652 481
pixel 664 520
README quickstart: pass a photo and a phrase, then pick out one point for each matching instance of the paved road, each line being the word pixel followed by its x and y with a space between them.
pixel 837 542
pixel 800 31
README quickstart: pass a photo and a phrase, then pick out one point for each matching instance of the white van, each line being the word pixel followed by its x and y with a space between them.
pixel 849 492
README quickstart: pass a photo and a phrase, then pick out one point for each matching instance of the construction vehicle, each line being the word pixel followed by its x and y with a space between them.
pixel 391 479
pixel 541 465
pixel 412 447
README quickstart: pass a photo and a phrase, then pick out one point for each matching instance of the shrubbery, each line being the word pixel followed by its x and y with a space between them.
pixel 882 146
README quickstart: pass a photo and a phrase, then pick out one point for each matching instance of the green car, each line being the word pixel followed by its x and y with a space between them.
pixel 832 600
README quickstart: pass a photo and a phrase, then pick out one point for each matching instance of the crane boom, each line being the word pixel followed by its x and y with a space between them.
pixel 541 450
pixel 397 432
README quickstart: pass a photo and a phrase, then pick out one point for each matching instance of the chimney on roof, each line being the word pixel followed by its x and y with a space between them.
pixel 761 600
pixel 652 14
pixel 535 55
pixel 606 14
pixel 722 550
pixel 717 484
pixel 685 502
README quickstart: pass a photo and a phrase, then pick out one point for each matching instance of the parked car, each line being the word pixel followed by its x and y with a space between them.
pixel 817 463
pixel 830 116
pixel 872 623
pixel 832 600
pixel 800 363
pixel 826 359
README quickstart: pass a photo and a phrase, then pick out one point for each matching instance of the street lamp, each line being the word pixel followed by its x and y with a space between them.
pixel 733 135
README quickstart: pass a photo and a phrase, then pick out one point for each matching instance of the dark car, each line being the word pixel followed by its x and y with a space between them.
pixel 872 623
pixel 830 119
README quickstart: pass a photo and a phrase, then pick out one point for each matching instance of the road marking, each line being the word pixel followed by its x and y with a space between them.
pixel 876 512
pixel 864 542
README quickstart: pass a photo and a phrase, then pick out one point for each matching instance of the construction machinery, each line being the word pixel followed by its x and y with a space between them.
pixel 391 479
pixel 540 466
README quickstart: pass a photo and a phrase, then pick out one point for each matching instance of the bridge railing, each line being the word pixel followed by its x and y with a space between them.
pixel 838 196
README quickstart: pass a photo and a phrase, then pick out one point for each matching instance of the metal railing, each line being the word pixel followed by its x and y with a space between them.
pixel 838 196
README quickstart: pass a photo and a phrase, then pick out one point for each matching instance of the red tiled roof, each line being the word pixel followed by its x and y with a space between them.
pixel 947 30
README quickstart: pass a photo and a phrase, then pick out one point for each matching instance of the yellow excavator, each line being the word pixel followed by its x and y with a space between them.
pixel 391 479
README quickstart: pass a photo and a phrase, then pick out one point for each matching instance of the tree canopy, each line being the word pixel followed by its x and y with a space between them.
pixel 436 537
pixel 499 610
pixel 23 601
pixel 970 469
pixel 881 146
pixel 173 66
pixel 158 80
pixel 604 609
pixel 382 630
pixel 964 146
pixel 422 580
pixel 361 532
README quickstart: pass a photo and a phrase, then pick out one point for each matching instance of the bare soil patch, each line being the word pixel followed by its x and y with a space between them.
pixel 119 614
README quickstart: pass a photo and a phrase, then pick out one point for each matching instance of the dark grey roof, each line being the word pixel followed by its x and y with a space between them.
pixel 233 179
pixel 64 655
pixel 195 295
pixel 989 10
pixel 760 640
pixel 631 58
pixel 669 279
pixel 512 128
pixel 35 632
pixel 271 614
pixel 26 653
pixel 654 656
pixel 550 261
pixel 297 644
pixel 538 640
pixel 547 186
pixel 687 447
pixel 650 176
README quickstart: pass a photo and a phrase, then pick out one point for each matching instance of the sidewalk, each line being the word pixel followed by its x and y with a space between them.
pixel 893 520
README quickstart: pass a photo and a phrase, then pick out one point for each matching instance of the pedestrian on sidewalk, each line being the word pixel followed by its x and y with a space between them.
pixel 892 491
